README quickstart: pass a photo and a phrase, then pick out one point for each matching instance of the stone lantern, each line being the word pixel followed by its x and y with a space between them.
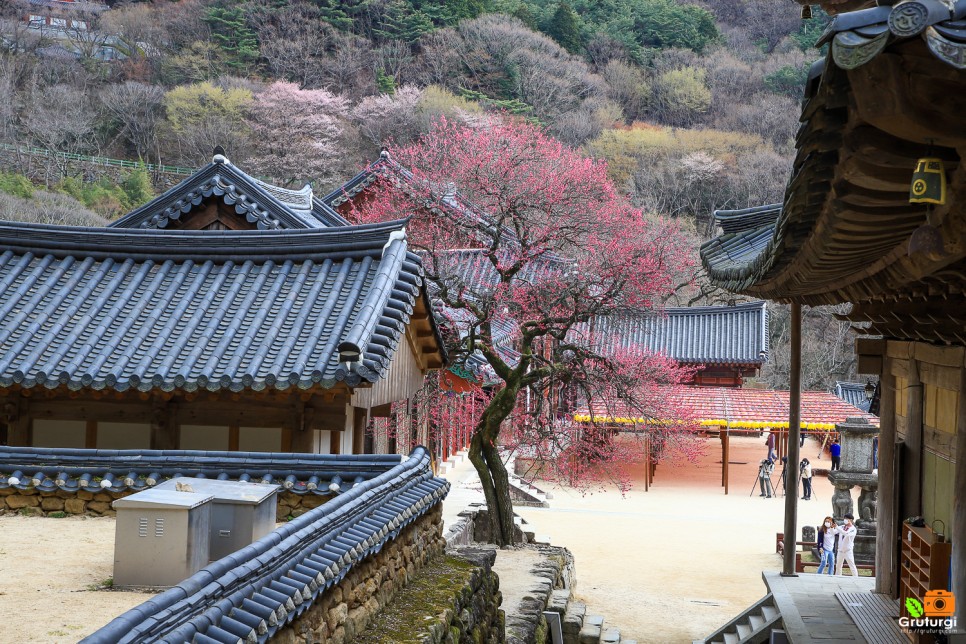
pixel 858 448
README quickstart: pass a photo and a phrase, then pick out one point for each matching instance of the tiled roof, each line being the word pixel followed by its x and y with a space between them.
pixel 746 408
pixel 691 335
pixel 255 592
pixel 358 183
pixel 266 206
pixel 846 230
pixel 859 36
pixel 145 309
pixel 853 393
pixel 100 470
pixel 736 221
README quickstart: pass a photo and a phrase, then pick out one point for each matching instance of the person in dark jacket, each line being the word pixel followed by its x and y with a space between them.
pixel 836 451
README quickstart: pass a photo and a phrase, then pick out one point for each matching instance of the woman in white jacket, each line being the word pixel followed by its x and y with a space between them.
pixel 846 533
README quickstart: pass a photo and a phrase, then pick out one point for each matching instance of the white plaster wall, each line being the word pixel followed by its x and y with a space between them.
pixel 123 436
pixel 204 437
pixel 59 433
pixel 259 439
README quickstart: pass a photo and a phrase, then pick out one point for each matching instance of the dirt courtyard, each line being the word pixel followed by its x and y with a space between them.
pixel 676 562
pixel 665 566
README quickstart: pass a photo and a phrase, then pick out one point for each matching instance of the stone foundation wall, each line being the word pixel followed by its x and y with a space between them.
pixel 475 617
pixel 59 503
pixel 555 571
pixel 345 610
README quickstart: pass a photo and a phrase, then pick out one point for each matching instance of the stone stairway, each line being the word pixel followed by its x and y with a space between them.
pixel 752 626
pixel 524 492
pixel 578 626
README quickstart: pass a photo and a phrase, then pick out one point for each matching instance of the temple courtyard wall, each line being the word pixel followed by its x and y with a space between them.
pixel 668 565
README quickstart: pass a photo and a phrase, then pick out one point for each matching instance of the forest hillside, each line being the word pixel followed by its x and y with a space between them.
pixel 694 105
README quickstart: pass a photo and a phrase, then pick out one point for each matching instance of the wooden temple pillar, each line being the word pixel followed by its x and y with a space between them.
pixel 725 456
pixel 165 429
pixel 886 517
pixel 958 561
pixel 360 419
pixel 794 429
pixel 302 436
pixel 910 499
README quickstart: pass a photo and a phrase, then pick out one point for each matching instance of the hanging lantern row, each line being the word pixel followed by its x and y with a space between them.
pixel 712 422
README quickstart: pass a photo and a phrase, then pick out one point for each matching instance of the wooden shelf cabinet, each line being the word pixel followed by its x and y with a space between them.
pixel 924 566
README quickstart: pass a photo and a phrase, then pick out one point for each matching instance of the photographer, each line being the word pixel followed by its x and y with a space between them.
pixel 805 473
pixel 765 469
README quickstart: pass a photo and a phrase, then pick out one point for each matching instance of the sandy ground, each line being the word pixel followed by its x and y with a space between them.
pixel 50 572
pixel 667 565
pixel 677 562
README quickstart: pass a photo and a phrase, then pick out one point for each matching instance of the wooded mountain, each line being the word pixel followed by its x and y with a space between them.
pixel 693 104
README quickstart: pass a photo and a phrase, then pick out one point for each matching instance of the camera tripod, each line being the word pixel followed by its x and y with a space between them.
pixel 757 484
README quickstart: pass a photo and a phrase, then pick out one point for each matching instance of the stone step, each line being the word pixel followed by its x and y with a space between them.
pixel 744 630
pixel 589 634
pixel 769 612
pixel 756 621
pixel 573 621
pixel 731 638
pixel 558 601
pixel 610 636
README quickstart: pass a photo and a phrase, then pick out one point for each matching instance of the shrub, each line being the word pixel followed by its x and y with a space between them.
pixel 16 185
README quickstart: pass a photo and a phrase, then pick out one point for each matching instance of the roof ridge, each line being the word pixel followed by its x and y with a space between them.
pixel 219 246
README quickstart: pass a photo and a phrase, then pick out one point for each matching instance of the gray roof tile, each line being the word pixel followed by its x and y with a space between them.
pixel 696 335
pixel 266 206
pixel 145 309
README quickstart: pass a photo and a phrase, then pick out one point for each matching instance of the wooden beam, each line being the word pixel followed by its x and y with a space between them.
pixel 358 430
pixel 234 438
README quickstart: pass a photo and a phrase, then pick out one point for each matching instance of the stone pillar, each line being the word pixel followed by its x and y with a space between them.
pixel 885 555
pixel 857 439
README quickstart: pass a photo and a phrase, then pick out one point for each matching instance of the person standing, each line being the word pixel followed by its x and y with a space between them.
pixel 806 469
pixel 836 451
pixel 765 468
pixel 846 533
pixel 770 442
pixel 826 545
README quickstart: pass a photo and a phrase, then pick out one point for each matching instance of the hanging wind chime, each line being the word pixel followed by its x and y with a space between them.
pixel 928 187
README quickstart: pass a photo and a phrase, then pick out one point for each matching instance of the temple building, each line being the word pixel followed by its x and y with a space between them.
pixel 874 216
pixel 226 314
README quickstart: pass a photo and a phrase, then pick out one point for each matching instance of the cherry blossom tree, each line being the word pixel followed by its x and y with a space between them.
pixel 517 230
pixel 296 133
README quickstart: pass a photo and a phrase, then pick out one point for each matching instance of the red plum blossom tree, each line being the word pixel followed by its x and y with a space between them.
pixel 516 229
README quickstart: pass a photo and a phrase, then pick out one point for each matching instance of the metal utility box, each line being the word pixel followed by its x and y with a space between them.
pixel 161 537
pixel 240 512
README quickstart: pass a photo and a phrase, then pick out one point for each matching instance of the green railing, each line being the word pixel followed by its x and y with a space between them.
pixel 118 163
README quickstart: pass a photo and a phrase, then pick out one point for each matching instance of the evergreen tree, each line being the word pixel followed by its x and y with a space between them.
pixel 137 186
pixel 564 29
pixel 230 31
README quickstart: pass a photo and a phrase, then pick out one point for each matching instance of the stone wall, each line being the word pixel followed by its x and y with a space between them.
pixel 454 600
pixel 57 503
pixel 554 572
pixel 345 610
